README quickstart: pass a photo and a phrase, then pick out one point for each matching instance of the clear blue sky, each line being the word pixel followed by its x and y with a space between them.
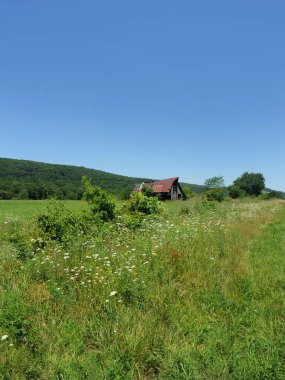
pixel 146 88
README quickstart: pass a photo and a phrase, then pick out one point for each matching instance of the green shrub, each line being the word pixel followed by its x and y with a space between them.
pixel 215 194
pixel 139 202
pixel 132 221
pixel 99 201
pixel 184 210
pixel 204 206
pixel 235 192
pixel 187 193
pixel 57 222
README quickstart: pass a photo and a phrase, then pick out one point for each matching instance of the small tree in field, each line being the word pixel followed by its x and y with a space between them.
pixel 213 182
pixel 99 201
pixel 214 189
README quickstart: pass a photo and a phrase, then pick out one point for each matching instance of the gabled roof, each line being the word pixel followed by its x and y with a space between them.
pixel 164 185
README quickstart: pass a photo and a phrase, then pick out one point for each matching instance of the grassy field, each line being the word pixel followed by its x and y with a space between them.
pixel 24 209
pixel 196 292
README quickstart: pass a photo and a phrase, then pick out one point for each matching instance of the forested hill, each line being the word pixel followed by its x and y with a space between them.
pixel 23 179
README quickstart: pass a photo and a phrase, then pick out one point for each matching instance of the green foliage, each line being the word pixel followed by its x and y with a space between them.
pixel 12 317
pixel 147 190
pixel 204 206
pixel 126 192
pixel 275 194
pixel 215 194
pixel 57 223
pixel 185 210
pixel 141 203
pixel 99 201
pixel 251 183
pixel 235 192
pixel 130 221
pixel 213 182
pixel 187 193
pixel 5 194
pixel 21 179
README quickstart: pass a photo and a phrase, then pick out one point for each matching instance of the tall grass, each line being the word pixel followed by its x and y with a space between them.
pixel 195 293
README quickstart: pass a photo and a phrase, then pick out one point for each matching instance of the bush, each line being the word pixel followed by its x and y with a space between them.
pixel 99 201
pixel 143 204
pixel 187 193
pixel 204 206
pixel 235 192
pixel 57 223
pixel 215 194
pixel 184 210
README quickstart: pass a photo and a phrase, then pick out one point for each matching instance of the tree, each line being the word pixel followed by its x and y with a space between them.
pixel 251 183
pixel 213 182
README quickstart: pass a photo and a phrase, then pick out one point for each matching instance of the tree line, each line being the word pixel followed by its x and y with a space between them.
pixel 248 184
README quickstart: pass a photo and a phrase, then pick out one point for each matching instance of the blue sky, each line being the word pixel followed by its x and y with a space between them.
pixel 145 88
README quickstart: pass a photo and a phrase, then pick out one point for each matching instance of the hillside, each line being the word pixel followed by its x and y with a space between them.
pixel 36 180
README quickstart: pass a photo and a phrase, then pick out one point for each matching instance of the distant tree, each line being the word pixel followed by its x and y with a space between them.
pixel 213 182
pixel 251 183
pixel 5 195
pixel 126 192
pixel 275 194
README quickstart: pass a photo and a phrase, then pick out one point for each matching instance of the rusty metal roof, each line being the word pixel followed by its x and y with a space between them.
pixel 164 185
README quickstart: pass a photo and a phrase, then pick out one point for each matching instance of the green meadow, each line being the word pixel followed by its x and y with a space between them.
pixel 24 209
pixel 193 292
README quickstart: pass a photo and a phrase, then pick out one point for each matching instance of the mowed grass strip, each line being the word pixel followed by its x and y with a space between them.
pixel 194 294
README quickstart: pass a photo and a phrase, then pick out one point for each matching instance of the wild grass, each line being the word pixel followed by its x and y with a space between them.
pixel 194 293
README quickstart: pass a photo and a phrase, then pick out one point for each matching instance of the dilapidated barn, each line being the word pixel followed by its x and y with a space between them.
pixel 164 188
